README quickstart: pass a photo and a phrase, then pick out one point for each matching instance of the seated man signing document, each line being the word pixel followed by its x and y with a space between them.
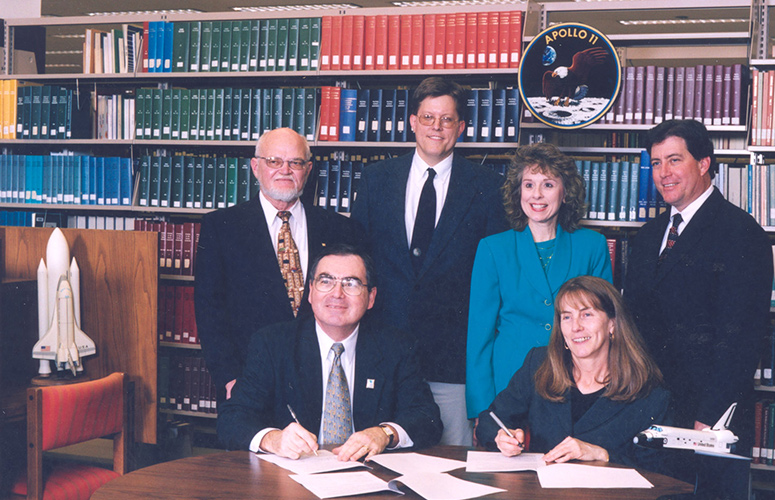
pixel 349 382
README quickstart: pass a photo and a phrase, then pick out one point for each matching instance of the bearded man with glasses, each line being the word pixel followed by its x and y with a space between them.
pixel 424 214
pixel 252 259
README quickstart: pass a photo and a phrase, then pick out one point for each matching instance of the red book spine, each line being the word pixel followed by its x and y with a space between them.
pixel 326 23
pixel 471 43
pixel 707 100
pixel 347 42
pixel 177 254
pixel 178 315
pixel 381 43
pixel 359 22
pixel 482 38
pixel 336 42
pixel 144 56
pixel 405 42
pixel 169 313
pixel 197 229
pixel 187 265
pixel 333 121
pixel 504 40
pixel 369 43
pixel 429 49
pixel 441 41
pixel 718 94
pixel 418 32
pixel 755 129
pixel 611 242
pixel 393 41
pixel 737 95
pixel 515 38
pixel 727 96
pixel 757 433
pixel 325 112
pixel 493 37
pixel 460 40
pixel 190 316
pixel 449 49
pixel 161 324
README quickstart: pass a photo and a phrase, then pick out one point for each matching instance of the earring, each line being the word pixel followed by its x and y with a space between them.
pixel 611 335
pixel 566 346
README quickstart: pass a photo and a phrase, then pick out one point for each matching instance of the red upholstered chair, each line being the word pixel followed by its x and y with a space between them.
pixel 62 415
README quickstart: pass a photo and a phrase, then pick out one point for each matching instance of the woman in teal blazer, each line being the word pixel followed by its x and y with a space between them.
pixel 517 273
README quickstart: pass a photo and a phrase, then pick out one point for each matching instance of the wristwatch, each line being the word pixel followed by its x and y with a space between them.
pixel 390 434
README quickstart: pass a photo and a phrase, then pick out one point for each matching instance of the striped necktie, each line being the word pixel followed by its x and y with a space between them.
pixel 672 237
pixel 337 416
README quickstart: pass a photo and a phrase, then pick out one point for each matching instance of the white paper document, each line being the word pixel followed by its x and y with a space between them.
pixel 495 461
pixel 411 463
pixel 343 484
pixel 435 486
pixel 589 476
pixel 325 461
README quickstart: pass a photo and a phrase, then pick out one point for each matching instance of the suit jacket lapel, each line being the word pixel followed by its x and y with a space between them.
pixel 559 266
pixel 395 203
pixel 599 414
pixel 309 369
pixel 259 245
pixel 527 256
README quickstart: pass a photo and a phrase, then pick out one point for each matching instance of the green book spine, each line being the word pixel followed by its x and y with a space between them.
pixel 255 122
pixel 165 181
pixel 246 114
pixel 156 110
pixel 613 190
pixel 181 43
pixel 624 189
pixel 236 115
pixel 166 114
pixel 202 115
pixel 243 180
pixel 314 43
pixel 153 181
pixel 602 190
pixel 193 122
pixel 633 204
pixel 310 112
pixel 226 112
pixel 205 45
pixel 298 110
pixel 303 45
pixel 175 115
pixel 255 30
pixel 236 46
pixel 271 46
pixel 282 45
pixel 277 108
pixel 189 166
pixel 194 44
pixel 209 133
pixel 176 182
pixel 218 115
pixel 139 113
pixel 147 119
pixel 232 170
pixel 62 113
pixel 263 44
pixel 594 189
pixel 221 171
pixel 45 112
pixel 199 176
pixel 145 177
pixel 244 49
pixel 288 111
pixel 208 187
pixel 266 107
pixel 54 115
pixel 293 45
pixel 185 113
pixel 216 41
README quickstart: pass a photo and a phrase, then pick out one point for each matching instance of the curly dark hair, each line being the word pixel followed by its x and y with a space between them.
pixel 549 161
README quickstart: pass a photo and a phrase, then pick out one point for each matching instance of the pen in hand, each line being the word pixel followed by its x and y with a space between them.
pixel 293 414
pixel 502 426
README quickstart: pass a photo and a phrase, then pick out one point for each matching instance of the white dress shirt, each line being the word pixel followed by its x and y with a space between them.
pixel 298 223
pixel 418 173
pixel 686 215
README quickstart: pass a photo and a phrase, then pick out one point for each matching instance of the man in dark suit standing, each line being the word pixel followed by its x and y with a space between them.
pixel 300 375
pixel 424 214
pixel 240 284
pixel 698 283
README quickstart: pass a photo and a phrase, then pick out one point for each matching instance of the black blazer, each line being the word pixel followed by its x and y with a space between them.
pixel 608 424
pixel 284 367
pixel 705 310
pixel 239 287
pixel 432 305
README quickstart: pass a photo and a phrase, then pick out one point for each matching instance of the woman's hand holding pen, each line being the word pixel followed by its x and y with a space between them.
pixel 510 445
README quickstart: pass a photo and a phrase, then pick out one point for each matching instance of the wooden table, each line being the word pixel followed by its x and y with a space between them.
pixel 242 475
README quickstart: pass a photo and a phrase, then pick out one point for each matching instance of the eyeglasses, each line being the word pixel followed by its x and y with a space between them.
pixel 275 162
pixel 351 286
pixel 428 119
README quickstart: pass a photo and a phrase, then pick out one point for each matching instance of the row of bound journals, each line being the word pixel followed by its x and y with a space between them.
pixel 31 111
pixel 177 322
pixel 185 384
pixel 177 245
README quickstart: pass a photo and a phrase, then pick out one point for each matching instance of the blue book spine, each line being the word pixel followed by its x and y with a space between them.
pixel 484 133
pixel 594 190
pixel 323 184
pixel 602 193
pixel 345 186
pixel 499 115
pixel 624 189
pixel 348 103
pixel 85 179
pixel 613 190
pixel 94 185
pixel 402 115
pixel 375 115
pixel 586 175
pixel 388 119
pixel 644 179
pixel 471 132
pixel 125 181
pixel 512 115
pixel 100 180
pixel 333 184
pixel 362 116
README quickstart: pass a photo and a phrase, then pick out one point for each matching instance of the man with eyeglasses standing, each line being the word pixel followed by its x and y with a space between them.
pixel 251 259
pixel 424 214
pixel 332 379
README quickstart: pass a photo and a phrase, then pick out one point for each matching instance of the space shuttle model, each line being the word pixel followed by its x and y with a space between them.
pixel 716 440
pixel 59 311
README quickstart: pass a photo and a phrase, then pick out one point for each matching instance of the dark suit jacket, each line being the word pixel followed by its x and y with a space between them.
pixel 284 367
pixel 239 287
pixel 705 310
pixel 608 424
pixel 432 305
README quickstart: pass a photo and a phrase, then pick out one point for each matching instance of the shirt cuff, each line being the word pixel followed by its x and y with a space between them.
pixel 256 441
pixel 404 441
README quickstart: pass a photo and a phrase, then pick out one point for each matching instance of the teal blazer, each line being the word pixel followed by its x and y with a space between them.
pixel 512 302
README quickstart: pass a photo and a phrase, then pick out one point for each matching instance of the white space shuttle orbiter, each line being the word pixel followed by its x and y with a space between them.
pixel 59 310
pixel 716 440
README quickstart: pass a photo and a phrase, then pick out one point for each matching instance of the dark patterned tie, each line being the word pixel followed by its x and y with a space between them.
pixel 337 417
pixel 672 237
pixel 424 223
pixel 290 264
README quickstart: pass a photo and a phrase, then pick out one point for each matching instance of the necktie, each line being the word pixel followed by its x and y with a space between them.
pixel 672 237
pixel 424 223
pixel 290 264
pixel 337 416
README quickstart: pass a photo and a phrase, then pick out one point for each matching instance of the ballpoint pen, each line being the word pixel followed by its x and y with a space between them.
pixel 293 414
pixel 502 426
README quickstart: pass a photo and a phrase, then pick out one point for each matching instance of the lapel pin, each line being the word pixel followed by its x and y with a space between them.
pixel 370 383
